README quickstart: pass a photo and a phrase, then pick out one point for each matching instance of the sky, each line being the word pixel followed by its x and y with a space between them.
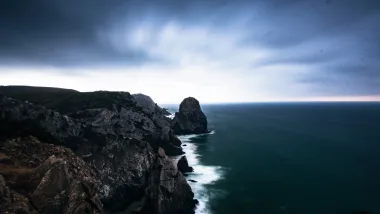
pixel 214 50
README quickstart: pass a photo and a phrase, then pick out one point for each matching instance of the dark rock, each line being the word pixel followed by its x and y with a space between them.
pixel 184 145
pixel 5 195
pixel 107 113
pixel 168 191
pixel 20 205
pixel 183 165
pixel 166 111
pixel 119 143
pixel 190 119
pixel 147 102
pixel 51 185
pixel 196 202
pixel 5 159
pixel 35 94
pixel 194 181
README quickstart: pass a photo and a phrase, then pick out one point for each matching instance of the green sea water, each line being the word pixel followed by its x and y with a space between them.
pixel 287 158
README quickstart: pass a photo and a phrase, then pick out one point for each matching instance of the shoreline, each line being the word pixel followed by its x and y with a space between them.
pixel 203 174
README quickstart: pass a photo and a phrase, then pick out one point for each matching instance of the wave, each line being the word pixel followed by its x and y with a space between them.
pixel 171 116
pixel 187 138
pixel 203 174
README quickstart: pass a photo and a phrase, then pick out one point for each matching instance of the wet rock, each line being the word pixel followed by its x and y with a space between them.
pixel 196 201
pixel 183 165
pixel 190 119
pixel 193 181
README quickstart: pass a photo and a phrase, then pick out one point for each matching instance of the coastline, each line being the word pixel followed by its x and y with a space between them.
pixel 203 174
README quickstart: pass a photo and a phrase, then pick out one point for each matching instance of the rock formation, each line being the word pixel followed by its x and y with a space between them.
pixel 147 102
pixel 102 151
pixel 115 113
pixel 164 195
pixel 45 178
pixel 190 119
pixel 183 165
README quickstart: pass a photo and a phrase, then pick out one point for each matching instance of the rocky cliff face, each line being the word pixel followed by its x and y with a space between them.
pixel 45 178
pixel 102 148
pixel 115 113
pixel 190 119
pixel 147 102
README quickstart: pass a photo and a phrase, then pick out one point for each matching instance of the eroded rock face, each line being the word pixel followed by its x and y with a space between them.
pixel 190 119
pixel 183 165
pixel 109 152
pixel 168 190
pixel 147 102
pixel 106 113
pixel 60 184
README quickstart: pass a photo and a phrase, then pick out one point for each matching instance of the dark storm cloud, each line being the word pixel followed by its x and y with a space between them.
pixel 62 33
pixel 337 39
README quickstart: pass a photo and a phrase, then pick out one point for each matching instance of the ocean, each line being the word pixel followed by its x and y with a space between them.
pixel 287 158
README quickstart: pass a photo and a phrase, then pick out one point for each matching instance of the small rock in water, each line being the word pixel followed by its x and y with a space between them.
pixel 184 145
pixel 196 202
pixel 183 165
pixel 191 180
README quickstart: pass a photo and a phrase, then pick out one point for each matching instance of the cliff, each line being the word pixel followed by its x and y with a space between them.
pixel 97 152
pixel 147 102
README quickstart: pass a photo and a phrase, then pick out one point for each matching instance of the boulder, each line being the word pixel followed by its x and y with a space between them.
pixel 189 119
pixel 183 165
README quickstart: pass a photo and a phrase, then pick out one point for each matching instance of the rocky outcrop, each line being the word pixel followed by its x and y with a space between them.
pixel 190 119
pixel 147 102
pixel 168 191
pixel 12 202
pixel 106 113
pixel 59 184
pixel 183 165
pixel 104 146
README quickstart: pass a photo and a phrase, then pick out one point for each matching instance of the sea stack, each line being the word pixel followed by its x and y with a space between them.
pixel 183 165
pixel 190 119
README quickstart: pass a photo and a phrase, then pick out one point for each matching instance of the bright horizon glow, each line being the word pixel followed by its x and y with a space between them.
pixel 163 86
pixel 273 100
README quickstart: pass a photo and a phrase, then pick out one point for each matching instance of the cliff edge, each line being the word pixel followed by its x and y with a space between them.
pixel 95 152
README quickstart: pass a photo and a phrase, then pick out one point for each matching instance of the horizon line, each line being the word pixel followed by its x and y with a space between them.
pixel 293 101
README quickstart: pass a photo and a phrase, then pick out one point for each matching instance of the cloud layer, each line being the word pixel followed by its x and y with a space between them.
pixel 276 49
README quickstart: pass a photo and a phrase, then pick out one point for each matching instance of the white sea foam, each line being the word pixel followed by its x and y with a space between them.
pixel 171 116
pixel 202 174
